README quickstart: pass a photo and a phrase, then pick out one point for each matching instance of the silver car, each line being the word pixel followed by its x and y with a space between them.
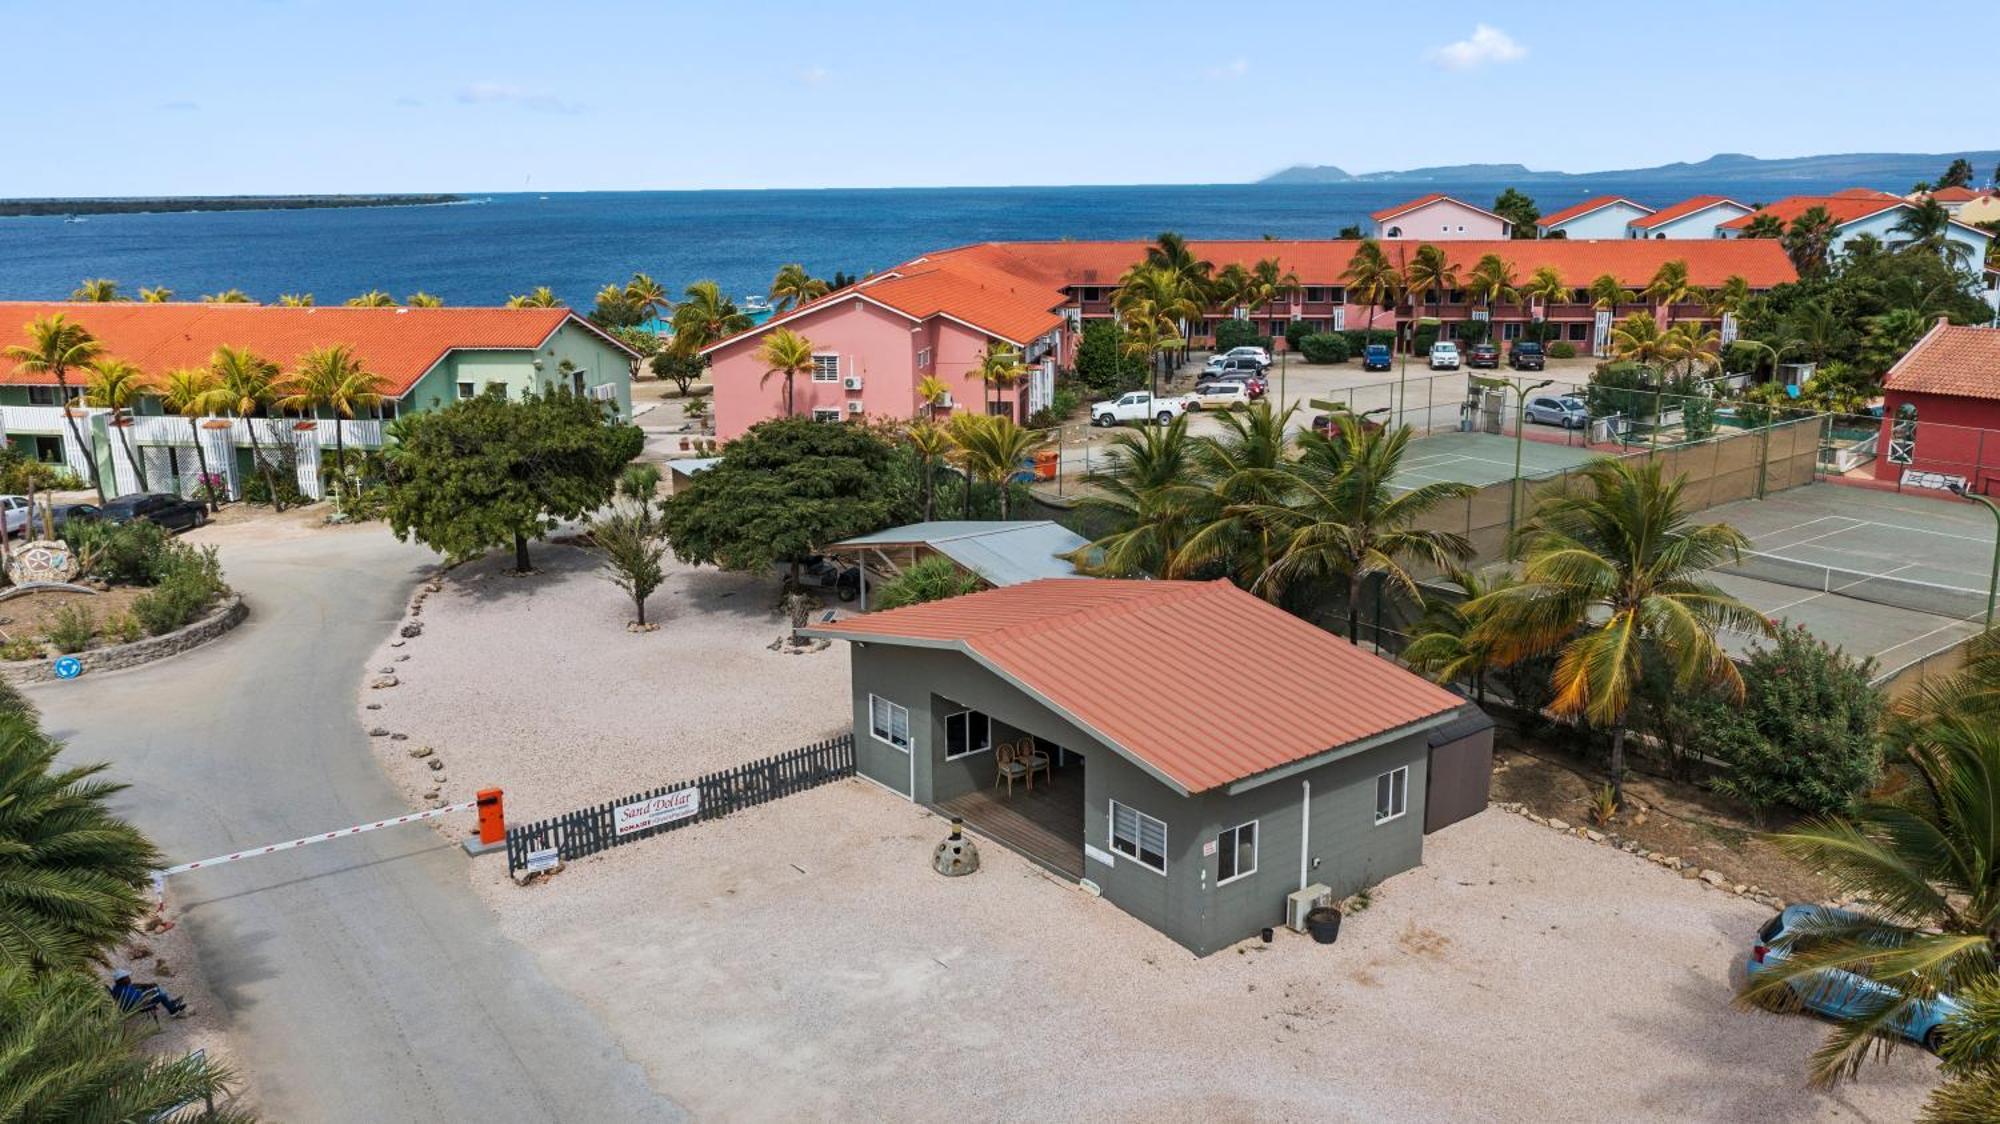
pixel 1565 410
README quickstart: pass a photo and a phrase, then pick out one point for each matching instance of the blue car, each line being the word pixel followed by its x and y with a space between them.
pixel 1842 994
pixel 1375 357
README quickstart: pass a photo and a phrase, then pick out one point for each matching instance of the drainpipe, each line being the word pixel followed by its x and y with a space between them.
pixel 1305 828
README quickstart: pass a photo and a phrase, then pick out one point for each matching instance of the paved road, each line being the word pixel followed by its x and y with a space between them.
pixel 364 978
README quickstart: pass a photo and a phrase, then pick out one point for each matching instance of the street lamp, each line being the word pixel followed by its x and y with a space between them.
pixel 1965 492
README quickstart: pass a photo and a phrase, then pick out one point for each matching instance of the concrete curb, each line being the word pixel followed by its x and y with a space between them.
pixel 224 617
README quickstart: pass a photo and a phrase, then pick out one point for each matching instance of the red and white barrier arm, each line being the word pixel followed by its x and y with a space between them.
pixel 343 833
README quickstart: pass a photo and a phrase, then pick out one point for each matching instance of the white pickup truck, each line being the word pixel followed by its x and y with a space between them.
pixel 1141 406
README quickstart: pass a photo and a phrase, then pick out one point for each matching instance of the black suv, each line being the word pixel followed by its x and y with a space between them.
pixel 1527 355
pixel 169 511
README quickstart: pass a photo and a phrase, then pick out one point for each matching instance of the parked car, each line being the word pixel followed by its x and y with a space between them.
pixel 1259 354
pixel 1221 394
pixel 1322 424
pixel 821 572
pixel 1566 410
pixel 169 511
pixel 1140 405
pixel 14 510
pixel 1483 355
pixel 1444 356
pixel 1527 355
pixel 1258 385
pixel 1376 357
pixel 1233 365
pixel 1839 993
pixel 65 514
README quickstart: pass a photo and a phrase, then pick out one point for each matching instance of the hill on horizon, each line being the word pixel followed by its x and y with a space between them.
pixel 1883 167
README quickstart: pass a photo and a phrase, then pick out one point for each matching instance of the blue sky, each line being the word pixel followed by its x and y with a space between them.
pixel 216 96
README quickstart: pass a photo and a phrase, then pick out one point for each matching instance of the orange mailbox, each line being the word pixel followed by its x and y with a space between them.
pixel 492 817
pixel 1046 462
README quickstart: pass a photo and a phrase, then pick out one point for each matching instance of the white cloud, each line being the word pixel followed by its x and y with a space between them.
pixel 497 93
pixel 1486 45
pixel 814 75
pixel 1234 68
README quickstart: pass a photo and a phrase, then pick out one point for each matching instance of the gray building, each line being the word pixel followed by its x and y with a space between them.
pixel 1208 755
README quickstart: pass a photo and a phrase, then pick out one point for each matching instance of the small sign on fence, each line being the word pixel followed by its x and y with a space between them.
pixel 654 811
pixel 546 859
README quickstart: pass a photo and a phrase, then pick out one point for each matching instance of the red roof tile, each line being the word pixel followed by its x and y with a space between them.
pixel 1950 359
pixel 1846 207
pixel 399 344
pixel 1587 206
pixel 1115 656
pixel 1683 209
pixel 1956 194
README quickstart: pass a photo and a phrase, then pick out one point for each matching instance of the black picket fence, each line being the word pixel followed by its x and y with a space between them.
pixel 587 831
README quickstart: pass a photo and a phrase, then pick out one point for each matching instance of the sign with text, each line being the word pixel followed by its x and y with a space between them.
pixel 540 861
pixel 1935 481
pixel 654 811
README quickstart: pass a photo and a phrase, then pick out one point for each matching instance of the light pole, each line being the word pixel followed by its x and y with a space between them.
pixel 1993 582
pixel 1520 436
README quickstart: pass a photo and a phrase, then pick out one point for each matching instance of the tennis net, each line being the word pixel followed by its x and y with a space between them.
pixel 1956 602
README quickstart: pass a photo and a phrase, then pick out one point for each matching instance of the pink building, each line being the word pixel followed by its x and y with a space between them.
pixel 1440 218
pixel 874 342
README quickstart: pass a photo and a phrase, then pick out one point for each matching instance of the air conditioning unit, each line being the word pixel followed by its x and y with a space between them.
pixel 854 406
pixel 1299 902
pixel 946 401
pixel 853 382
pixel 604 392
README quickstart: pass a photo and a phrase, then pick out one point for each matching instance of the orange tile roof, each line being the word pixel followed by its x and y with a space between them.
pixel 1850 206
pixel 1951 359
pixel 1956 194
pixel 1116 658
pixel 1588 205
pixel 399 344
pixel 1683 209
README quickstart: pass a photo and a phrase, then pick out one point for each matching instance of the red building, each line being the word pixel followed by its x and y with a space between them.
pixel 1950 381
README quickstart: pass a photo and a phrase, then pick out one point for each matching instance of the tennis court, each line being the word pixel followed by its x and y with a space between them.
pixel 1895 576
pixel 1480 459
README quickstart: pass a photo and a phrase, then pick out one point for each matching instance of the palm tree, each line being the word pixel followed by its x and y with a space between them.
pixel 931 390
pixel 1447 647
pixel 1547 286
pixel 1492 281
pixel 295 300
pixel 73 1055
pixel 1245 470
pixel 1430 270
pixel 1670 286
pixel 931 443
pixel 646 295
pixel 1809 241
pixel 1350 521
pixel 793 286
pixel 1232 288
pixel 1727 300
pixel 421 299
pixel 195 393
pixel 227 296
pixel 116 385
pixel 97 290
pixel 1271 282
pixel 705 316
pixel 1638 339
pixel 993 448
pixel 373 298
pixel 1606 292
pixel 1890 335
pixel 785 352
pixel 158 294
pixel 1191 278
pixel 542 297
pixel 1371 277
pixel 71 873
pixel 251 385
pixel 335 380
pixel 1146 498
pixel 999 367
pixel 1611 583
pixel 1764 224
pixel 55 345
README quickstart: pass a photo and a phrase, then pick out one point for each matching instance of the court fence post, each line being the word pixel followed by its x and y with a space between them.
pixel 1763 456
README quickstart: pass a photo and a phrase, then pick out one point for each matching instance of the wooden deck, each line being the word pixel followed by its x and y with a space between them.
pixel 1046 826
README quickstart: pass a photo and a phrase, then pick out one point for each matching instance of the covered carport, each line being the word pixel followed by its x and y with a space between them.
pixel 997 552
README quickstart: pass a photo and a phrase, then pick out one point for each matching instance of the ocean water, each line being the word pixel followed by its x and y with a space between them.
pixel 479 253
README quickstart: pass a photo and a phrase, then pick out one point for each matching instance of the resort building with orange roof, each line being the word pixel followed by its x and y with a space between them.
pixel 1605 216
pixel 1437 217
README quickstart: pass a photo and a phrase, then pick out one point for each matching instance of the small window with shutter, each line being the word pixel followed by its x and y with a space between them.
pixel 1139 837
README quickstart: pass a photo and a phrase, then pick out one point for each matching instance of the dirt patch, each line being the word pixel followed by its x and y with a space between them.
pixel 168 958
pixel 29 615
pixel 1670 817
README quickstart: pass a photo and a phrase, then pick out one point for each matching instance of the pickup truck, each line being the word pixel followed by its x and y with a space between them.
pixel 1139 406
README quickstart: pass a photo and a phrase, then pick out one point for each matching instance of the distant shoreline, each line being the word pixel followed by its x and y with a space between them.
pixel 32 208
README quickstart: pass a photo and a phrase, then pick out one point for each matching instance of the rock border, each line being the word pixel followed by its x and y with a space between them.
pixel 1713 879
pixel 117 657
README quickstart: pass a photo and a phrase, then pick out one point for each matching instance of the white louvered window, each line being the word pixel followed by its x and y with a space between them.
pixel 1139 837
pixel 826 368
pixel 889 722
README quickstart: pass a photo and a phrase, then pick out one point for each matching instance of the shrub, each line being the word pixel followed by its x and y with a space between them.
pixel 128 554
pixel 1470 332
pixel 71 628
pixel 1239 333
pixel 1358 338
pixel 1562 349
pixel 256 489
pixel 1296 333
pixel 1804 734
pixel 190 580
pixel 123 627
pixel 1423 336
pixel 1102 366
pixel 640 481
pixel 1324 347
pixel 21 648
pixel 933 579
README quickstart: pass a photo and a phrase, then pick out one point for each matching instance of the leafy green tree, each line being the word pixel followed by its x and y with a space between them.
pixel 932 579
pixel 1518 208
pixel 71 873
pixel 71 1055
pixel 1239 333
pixel 681 370
pixel 1958 174
pixel 485 471
pixel 1104 365
pixel 633 543
pixel 1809 241
pixel 783 491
